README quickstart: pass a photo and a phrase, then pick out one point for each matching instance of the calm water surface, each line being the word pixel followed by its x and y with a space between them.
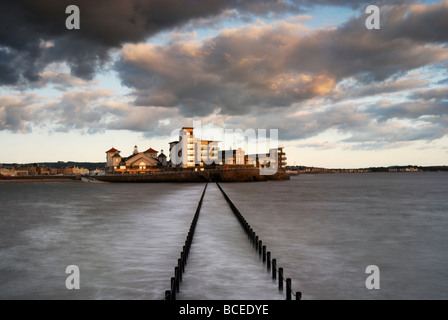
pixel 324 230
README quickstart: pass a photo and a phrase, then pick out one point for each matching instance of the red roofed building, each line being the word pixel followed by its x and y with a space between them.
pixel 152 153
pixel 137 163
pixel 113 158
pixel 113 150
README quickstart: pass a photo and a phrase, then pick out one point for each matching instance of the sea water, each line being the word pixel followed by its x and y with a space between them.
pixel 324 231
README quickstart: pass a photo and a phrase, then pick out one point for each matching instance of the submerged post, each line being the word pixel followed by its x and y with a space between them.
pixel 280 278
pixel 268 258
pixel 288 289
pixel 167 295
pixel 173 288
pixel 176 276
pixel 274 269
pixel 182 259
pixel 179 267
pixel 298 295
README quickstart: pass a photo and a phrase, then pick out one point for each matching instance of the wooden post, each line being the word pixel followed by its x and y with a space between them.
pixel 298 295
pixel 167 295
pixel 179 267
pixel 256 243
pixel 268 254
pixel 280 278
pixel 264 254
pixel 260 245
pixel 288 288
pixel 274 269
pixel 173 288
pixel 176 276
pixel 182 258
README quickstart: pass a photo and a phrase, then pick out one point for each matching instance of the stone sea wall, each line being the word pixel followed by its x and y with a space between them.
pixel 235 175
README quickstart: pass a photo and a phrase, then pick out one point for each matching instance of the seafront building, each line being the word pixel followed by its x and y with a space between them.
pixel 233 157
pixel 275 157
pixel 42 170
pixel 190 152
pixel 139 162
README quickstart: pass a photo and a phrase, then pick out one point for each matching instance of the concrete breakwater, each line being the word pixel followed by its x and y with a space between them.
pixel 212 175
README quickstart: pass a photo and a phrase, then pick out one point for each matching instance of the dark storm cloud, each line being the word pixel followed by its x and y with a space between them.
pixel 105 24
pixel 263 66
pixel 261 74
pixel 403 43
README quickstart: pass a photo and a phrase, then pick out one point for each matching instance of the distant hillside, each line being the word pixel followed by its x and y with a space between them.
pixel 61 164
pixel 371 169
pixel 435 168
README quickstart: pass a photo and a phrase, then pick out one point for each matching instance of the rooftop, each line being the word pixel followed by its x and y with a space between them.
pixel 113 150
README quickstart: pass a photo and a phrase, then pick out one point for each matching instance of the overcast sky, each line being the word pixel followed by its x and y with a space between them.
pixel 341 95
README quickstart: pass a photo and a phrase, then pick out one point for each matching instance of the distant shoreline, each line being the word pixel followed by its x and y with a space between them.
pixel 35 179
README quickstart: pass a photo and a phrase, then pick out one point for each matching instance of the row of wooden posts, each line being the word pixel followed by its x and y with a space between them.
pixel 180 268
pixel 265 255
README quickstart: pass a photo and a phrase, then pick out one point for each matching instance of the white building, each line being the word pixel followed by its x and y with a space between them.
pixel 190 152
pixel 275 157
pixel 233 157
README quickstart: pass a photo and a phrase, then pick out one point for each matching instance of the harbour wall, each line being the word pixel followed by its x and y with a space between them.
pixel 217 175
